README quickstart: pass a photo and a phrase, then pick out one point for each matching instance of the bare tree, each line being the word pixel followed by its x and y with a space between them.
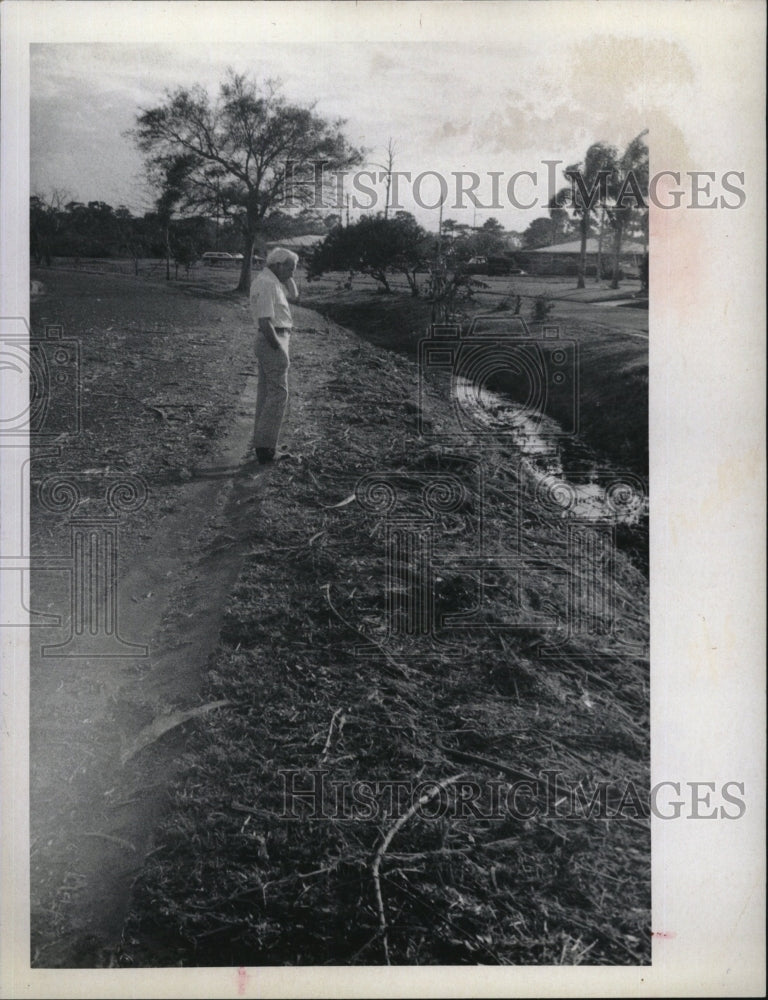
pixel 387 168
pixel 233 153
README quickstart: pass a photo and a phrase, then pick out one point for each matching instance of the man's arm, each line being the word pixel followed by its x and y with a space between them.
pixel 267 328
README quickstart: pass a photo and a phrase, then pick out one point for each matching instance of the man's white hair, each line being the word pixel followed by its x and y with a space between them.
pixel 280 256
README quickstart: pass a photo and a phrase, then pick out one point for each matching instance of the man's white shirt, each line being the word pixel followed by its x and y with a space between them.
pixel 268 299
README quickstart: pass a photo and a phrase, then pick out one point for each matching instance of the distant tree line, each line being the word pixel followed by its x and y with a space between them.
pixel 59 227
pixel 236 169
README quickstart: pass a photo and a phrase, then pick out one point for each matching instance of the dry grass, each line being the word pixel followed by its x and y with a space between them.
pixel 317 683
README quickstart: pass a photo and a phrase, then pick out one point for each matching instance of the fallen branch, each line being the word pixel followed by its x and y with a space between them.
pixel 441 851
pixel 160 726
pixel 398 666
pixel 338 713
pixel 113 840
pixel 495 765
pixel 387 840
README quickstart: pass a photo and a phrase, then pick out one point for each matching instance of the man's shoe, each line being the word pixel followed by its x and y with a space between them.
pixel 265 455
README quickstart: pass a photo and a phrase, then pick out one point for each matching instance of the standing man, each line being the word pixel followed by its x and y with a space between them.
pixel 269 303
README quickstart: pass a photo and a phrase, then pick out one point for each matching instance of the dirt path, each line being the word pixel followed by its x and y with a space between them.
pixel 100 759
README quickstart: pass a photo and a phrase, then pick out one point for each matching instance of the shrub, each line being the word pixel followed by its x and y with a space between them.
pixel 541 308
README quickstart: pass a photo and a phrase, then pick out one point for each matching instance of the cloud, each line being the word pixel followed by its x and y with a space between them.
pixel 449 130
pixel 381 64
pixel 448 106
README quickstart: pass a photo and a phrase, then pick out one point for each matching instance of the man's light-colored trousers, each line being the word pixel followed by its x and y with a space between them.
pixel 272 389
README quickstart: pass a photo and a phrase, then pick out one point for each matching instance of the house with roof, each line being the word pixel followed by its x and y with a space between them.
pixel 302 245
pixel 563 258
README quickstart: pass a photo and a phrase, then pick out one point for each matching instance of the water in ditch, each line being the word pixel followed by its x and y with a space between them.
pixel 566 473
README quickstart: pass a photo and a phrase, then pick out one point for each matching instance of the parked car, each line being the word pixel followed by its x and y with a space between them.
pixel 214 258
pixel 492 266
pixel 475 265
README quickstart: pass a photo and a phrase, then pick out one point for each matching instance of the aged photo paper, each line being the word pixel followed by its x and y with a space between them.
pixel 383 460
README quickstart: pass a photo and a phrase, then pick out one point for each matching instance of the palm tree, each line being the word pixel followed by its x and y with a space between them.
pixel 630 189
pixel 590 183
pixel 559 216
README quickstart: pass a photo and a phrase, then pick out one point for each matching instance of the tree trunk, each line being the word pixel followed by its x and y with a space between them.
pixel 167 253
pixel 411 278
pixel 381 276
pixel 244 284
pixel 617 251
pixel 583 225
pixel 599 272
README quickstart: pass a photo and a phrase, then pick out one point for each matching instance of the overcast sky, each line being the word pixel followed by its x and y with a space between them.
pixel 448 107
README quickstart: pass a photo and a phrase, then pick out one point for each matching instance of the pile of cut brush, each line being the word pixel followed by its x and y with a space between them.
pixel 436 750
